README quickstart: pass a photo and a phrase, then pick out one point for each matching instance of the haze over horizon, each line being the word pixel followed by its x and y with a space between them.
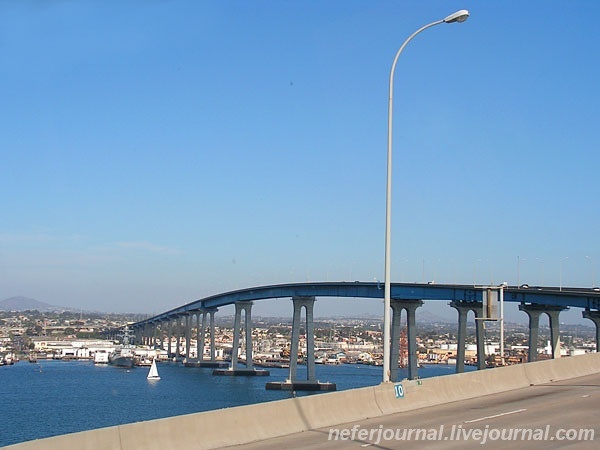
pixel 325 308
pixel 157 153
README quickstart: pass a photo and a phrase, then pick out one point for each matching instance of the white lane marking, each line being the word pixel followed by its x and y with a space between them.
pixel 496 415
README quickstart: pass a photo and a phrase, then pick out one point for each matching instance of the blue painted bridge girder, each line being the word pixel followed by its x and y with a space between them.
pixel 571 297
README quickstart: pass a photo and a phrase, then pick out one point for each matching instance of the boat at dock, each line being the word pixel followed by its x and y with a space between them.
pixel 143 361
pixel 8 359
pixel 272 363
pixel 123 356
pixel 101 357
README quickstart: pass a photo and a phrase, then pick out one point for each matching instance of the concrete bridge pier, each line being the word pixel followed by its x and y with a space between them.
pixel 157 334
pixel 201 362
pixel 169 332
pixel 463 308
pixel 311 383
pixel 191 362
pixel 200 334
pixel 138 334
pixel 188 335
pixel 179 333
pixel 235 369
pixel 152 334
pixel 410 306
pixel 594 316
pixel 164 333
pixel 239 307
pixel 148 334
pixel 534 311
pixel 178 337
pixel 213 347
pixel 212 362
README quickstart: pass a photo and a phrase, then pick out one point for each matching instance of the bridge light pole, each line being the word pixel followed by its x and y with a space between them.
pixel 593 271
pixel 459 16
pixel 561 270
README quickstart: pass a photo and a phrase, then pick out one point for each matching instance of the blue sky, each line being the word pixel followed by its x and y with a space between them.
pixel 156 152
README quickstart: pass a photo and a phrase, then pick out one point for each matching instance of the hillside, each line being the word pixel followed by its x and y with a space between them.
pixel 23 303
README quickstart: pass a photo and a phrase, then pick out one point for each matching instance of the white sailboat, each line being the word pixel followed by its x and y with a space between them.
pixel 153 372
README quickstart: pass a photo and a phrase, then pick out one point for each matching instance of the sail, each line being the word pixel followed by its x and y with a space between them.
pixel 153 372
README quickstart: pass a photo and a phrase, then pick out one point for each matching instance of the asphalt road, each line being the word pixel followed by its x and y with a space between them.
pixel 551 415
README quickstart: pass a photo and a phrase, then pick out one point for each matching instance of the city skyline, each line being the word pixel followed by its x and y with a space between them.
pixel 158 154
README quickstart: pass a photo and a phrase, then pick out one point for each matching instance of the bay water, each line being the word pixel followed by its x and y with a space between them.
pixel 52 397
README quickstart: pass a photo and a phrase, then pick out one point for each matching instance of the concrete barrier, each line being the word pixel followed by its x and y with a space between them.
pixel 561 369
pixel 233 426
pixel 450 388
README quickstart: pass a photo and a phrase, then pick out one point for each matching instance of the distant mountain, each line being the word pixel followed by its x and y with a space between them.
pixel 429 317
pixel 24 303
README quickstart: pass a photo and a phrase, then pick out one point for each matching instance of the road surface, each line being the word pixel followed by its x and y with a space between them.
pixel 555 415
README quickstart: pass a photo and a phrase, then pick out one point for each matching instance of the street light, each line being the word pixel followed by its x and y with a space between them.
pixel 459 16
pixel 541 270
pixel 561 266
pixel 593 271
pixel 519 259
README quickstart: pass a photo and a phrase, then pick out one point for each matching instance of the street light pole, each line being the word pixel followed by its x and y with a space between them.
pixel 593 271
pixel 560 275
pixel 519 259
pixel 459 16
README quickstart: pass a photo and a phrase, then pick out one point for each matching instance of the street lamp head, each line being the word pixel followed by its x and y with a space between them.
pixel 458 16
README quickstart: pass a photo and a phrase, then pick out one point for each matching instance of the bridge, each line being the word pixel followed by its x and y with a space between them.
pixel 532 300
